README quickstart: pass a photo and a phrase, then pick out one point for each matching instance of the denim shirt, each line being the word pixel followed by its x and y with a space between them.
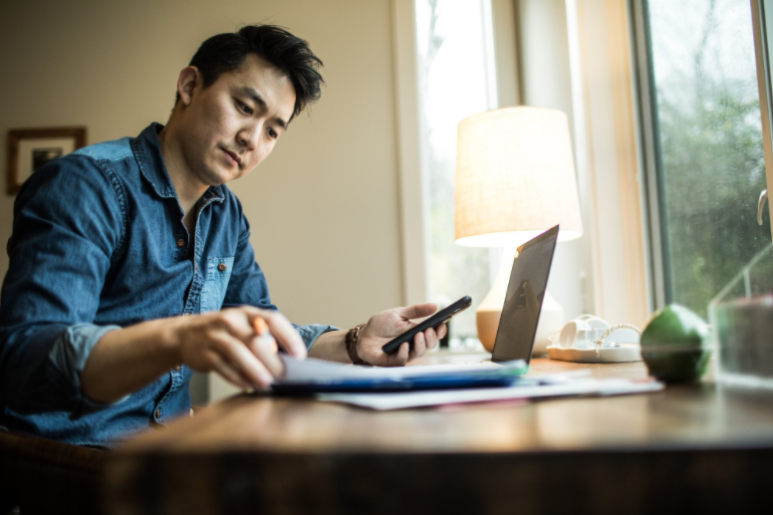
pixel 98 244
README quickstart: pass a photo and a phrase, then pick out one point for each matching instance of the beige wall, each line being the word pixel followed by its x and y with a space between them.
pixel 575 56
pixel 323 207
pixel 545 81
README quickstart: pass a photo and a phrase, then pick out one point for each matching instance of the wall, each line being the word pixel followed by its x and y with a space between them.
pixel 546 81
pixel 506 52
pixel 575 56
pixel 323 208
pixel 615 182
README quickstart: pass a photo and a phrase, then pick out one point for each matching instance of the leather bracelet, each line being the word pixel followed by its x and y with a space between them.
pixel 352 339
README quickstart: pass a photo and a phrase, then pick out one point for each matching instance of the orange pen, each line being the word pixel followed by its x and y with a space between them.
pixel 261 328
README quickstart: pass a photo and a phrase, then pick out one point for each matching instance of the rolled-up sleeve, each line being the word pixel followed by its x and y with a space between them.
pixel 311 332
pixel 68 225
pixel 73 347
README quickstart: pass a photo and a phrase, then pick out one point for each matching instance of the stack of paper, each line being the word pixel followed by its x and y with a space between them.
pixel 522 389
pixel 314 375
pixel 434 385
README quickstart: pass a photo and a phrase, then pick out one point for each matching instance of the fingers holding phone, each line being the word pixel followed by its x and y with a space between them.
pixel 407 340
pixel 433 322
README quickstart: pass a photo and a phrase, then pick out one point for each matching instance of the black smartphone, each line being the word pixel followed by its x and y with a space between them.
pixel 434 321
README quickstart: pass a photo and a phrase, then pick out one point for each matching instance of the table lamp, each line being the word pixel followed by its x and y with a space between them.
pixel 514 180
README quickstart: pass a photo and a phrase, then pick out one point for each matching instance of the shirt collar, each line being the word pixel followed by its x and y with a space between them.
pixel 151 163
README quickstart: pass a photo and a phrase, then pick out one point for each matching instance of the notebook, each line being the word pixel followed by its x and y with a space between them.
pixel 316 376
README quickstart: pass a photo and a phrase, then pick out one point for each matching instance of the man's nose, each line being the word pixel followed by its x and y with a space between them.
pixel 248 136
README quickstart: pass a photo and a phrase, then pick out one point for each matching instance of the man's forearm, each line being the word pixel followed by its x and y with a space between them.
pixel 126 360
pixel 331 346
pixel 226 341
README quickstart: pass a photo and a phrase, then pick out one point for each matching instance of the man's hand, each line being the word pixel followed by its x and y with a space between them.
pixel 226 342
pixel 125 360
pixel 387 325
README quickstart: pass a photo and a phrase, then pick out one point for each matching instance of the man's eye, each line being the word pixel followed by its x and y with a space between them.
pixel 272 134
pixel 244 107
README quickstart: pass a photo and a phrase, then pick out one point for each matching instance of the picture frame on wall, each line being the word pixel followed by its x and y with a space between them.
pixel 29 149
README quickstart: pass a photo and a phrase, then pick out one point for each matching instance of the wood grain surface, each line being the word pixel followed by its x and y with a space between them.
pixel 691 442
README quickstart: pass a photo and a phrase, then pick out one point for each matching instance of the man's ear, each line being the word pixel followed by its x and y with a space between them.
pixel 186 83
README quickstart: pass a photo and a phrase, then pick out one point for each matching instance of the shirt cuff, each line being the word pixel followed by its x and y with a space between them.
pixel 70 353
pixel 311 332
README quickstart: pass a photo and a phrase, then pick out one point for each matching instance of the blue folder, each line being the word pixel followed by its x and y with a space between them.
pixel 317 376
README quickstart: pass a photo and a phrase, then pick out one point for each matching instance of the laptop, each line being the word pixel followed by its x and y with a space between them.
pixel 523 301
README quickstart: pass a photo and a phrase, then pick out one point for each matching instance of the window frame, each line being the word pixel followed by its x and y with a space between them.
pixel 413 186
pixel 764 83
pixel 651 161
pixel 413 179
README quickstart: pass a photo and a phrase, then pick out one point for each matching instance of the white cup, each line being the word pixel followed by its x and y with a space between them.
pixel 582 332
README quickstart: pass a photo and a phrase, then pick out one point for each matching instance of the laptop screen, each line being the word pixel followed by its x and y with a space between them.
pixel 523 302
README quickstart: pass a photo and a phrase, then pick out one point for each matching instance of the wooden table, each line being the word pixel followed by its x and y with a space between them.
pixel 696 448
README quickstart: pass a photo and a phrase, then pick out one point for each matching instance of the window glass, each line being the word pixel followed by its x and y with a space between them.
pixel 454 82
pixel 711 166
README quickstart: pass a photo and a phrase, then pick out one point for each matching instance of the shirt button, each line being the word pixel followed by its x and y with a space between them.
pixel 197 266
pixel 221 267
pixel 181 242
pixel 158 413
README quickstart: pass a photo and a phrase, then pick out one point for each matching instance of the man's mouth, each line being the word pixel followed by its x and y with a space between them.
pixel 234 157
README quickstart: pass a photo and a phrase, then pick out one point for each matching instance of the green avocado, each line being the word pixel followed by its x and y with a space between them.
pixel 674 345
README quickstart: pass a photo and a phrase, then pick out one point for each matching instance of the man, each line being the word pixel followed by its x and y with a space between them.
pixel 131 265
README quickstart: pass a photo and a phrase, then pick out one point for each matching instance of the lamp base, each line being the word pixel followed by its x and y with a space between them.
pixel 490 311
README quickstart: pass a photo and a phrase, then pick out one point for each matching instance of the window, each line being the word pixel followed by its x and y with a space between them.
pixel 456 80
pixel 700 101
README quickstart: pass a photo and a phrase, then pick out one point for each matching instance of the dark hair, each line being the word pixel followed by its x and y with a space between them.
pixel 226 52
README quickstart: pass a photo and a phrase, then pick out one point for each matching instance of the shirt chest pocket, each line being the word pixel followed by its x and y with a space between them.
pixel 215 283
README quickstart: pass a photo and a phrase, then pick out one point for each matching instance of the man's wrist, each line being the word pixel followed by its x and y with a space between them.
pixel 351 342
pixel 170 338
pixel 331 346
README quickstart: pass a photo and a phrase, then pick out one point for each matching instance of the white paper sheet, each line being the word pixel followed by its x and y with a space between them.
pixel 576 387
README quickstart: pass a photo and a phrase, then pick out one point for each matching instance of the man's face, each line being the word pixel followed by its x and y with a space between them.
pixel 229 127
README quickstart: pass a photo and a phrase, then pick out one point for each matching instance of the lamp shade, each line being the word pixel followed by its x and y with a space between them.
pixel 515 177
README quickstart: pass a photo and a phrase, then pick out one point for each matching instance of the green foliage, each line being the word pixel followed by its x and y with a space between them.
pixel 713 170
